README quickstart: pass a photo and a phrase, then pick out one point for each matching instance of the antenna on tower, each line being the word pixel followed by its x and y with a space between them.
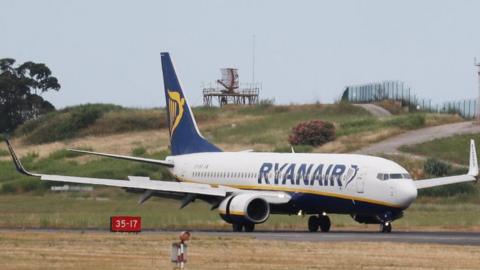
pixel 477 116
pixel 253 60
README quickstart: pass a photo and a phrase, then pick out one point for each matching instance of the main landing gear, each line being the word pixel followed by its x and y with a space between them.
pixel 248 227
pixel 386 227
pixel 320 221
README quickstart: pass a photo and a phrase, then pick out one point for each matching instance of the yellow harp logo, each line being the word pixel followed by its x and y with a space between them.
pixel 175 106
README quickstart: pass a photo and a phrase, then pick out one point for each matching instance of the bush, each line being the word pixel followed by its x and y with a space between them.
pixel 315 133
pixel 64 124
pixel 436 168
pixel 139 151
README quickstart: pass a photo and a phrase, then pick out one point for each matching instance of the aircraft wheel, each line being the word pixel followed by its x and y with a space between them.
pixel 324 223
pixel 249 227
pixel 386 227
pixel 237 227
pixel 313 223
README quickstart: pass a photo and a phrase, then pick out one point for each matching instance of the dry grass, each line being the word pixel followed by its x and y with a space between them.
pixel 394 107
pixel 123 143
pixel 352 142
pixel 101 250
pixel 442 119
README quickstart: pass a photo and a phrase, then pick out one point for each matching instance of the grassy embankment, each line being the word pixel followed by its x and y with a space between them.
pixel 100 128
pixel 263 127
pixel 454 149
pixel 75 250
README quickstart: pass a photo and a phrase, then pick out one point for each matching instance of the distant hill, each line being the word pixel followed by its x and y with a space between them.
pixel 143 132
pixel 266 124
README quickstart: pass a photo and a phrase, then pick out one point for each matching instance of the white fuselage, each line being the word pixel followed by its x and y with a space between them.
pixel 357 178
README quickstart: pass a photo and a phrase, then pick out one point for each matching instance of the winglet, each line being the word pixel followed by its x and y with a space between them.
pixel 16 160
pixel 473 166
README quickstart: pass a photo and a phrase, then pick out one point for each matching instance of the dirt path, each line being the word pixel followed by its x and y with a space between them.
pixel 375 110
pixel 391 145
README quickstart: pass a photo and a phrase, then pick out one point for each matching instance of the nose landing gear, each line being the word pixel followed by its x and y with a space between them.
pixel 320 221
pixel 386 227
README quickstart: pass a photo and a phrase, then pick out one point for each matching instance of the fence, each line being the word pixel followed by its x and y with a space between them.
pixel 398 91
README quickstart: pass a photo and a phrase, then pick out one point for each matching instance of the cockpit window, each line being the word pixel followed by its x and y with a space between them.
pixel 387 176
pixel 382 176
pixel 396 176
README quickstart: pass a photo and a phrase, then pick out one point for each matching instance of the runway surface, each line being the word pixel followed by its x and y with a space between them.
pixel 452 238
pixel 439 237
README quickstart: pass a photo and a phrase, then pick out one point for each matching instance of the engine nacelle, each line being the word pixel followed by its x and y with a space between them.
pixel 244 208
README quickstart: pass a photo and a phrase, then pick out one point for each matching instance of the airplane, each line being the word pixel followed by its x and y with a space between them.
pixel 247 187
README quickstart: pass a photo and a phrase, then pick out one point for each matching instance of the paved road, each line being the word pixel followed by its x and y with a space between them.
pixel 450 238
pixel 419 136
pixel 375 110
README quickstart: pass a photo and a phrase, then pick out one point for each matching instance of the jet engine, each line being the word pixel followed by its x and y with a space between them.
pixel 244 208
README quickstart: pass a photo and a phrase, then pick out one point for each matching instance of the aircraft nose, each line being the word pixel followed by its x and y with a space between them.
pixel 408 193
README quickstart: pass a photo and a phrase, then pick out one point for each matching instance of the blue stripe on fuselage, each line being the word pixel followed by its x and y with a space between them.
pixel 314 203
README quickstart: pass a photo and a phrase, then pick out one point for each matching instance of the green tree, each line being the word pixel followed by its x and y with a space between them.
pixel 20 92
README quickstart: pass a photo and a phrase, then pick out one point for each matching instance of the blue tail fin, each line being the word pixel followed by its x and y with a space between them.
pixel 185 138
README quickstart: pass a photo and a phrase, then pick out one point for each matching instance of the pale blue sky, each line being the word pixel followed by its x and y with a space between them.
pixel 109 51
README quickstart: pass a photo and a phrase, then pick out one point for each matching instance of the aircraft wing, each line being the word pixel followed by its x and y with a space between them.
pixel 470 176
pixel 136 182
pixel 139 159
pixel 155 186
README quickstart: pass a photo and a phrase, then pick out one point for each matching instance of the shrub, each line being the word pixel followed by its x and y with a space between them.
pixel 435 167
pixel 139 151
pixel 314 132
pixel 64 124
pixel 438 168
pixel 8 188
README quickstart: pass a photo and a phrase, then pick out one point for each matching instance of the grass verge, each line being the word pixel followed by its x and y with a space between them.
pixel 74 250
pixel 454 149
pixel 85 211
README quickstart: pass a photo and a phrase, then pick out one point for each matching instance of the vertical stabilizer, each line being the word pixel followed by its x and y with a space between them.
pixel 473 164
pixel 185 138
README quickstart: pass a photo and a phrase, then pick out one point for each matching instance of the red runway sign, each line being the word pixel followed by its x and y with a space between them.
pixel 125 224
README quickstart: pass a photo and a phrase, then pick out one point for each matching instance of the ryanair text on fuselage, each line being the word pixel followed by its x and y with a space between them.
pixel 307 174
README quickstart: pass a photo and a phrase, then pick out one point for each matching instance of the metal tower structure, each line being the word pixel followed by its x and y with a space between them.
pixel 228 90
pixel 477 116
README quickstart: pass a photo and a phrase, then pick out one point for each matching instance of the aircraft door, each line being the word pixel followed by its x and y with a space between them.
pixel 361 183
pixel 392 190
